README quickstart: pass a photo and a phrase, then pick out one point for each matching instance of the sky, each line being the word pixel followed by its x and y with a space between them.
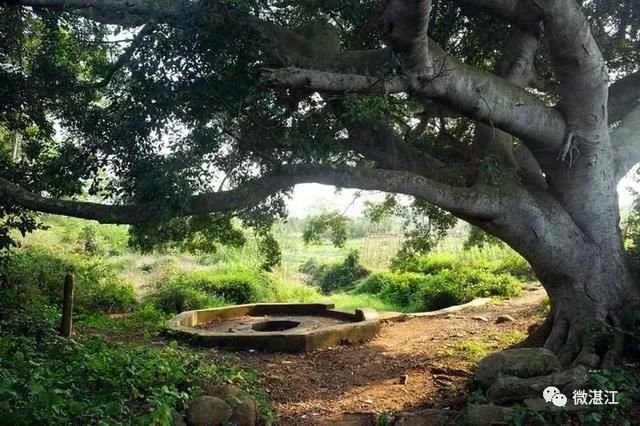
pixel 309 198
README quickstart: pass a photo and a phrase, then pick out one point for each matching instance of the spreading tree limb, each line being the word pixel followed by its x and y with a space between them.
pixel 484 204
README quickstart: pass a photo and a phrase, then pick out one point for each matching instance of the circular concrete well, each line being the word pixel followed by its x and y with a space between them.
pixel 276 327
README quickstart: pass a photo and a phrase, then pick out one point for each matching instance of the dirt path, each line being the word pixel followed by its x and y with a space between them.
pixel 361 381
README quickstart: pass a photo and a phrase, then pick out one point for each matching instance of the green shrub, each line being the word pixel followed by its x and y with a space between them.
pixel 453 287
pixel 428 264
pixel 201 289
pixel 45 379
pixel 419 292
pixel 335 276
pixel 313 268
pixel 292 292
pixel 235 284
pixel 515 265
pixel 174 297
pixel 402 288
pixel 97 285
pixel 146 319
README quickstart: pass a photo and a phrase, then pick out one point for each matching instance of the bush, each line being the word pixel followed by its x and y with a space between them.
pixel 454 287
pixel 146 319
pixel 292 292
pixel 173 297
pixel 429 264
pixel 45 379
pixel 235 284
pixel 515 265
pixel 202 289
pixel 97 286
pixel 335 276
pixel 419 292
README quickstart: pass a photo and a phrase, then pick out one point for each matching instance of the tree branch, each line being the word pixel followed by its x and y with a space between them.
pixel 126 56
pixel 477 94
pixel 389 151
pixel 324 81
pixel 117 12
pixel 406 25
pixel 626 143
pixel 623 96
pixel 484 204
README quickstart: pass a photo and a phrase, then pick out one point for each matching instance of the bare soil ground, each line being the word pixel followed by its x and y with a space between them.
pixel 413 364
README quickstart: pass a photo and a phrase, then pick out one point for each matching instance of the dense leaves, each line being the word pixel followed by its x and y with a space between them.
pixel 45 379
pixel 174 107
pixel 334 225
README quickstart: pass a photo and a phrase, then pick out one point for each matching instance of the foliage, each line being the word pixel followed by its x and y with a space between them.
pixel 429 264
pixel 507 262
pixel 175 296
pixel 333 224
pixel 515 265
pixel 210 288
pixel 351 301
pixel 146 320
pixel 632 234
pixel 195 234
pixel 478 238
pixel 270 249
pixel 336 276
pixel 45 379
pixel 98 287
pixel 70 235
pixel 424 226
pixel 439 290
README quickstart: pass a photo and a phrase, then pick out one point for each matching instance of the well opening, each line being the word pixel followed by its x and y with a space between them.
pixel 275 325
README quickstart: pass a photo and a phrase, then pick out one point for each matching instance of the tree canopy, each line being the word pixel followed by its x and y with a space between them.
pixel 192 107
pixel 217 108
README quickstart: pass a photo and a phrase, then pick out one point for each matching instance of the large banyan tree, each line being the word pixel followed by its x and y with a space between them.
pixel 519 117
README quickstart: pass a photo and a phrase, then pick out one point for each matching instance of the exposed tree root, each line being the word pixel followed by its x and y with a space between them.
pixel 596 344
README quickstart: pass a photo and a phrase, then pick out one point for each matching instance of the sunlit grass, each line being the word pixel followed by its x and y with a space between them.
pixel 351 302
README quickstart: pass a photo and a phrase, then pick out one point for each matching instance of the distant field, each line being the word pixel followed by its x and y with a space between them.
pixel 71 237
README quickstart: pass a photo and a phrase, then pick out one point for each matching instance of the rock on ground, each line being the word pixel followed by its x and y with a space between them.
pixel 523 363
pixel 487 415
pixel 514 389
pixel 208 411
pixel 244 406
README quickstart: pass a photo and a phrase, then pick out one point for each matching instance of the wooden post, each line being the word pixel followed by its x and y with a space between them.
pixel 67 306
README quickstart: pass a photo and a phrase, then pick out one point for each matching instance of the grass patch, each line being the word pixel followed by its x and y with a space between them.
pixel 417 292
pixel 351 302
pixel 40 272
pixel 470 350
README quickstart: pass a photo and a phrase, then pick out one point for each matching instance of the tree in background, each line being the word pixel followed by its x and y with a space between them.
pixel 518 117
pixel 334 225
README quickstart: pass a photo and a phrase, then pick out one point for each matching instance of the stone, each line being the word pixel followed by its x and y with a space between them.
pixel 178 419
pixel 225 392
pixel 514 389
pixel 244 406
pixel 487 415
pixel 523 363
pixel 542 406
pixel 208 411
pixel 426 417
pixel 504 318
pixel 245 413
pixel 479 318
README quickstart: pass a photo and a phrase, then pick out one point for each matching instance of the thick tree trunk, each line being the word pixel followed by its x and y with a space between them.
pixel 589 296
pixel 572 239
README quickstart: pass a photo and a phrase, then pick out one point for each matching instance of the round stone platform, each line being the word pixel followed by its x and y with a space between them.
pixel 276 327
